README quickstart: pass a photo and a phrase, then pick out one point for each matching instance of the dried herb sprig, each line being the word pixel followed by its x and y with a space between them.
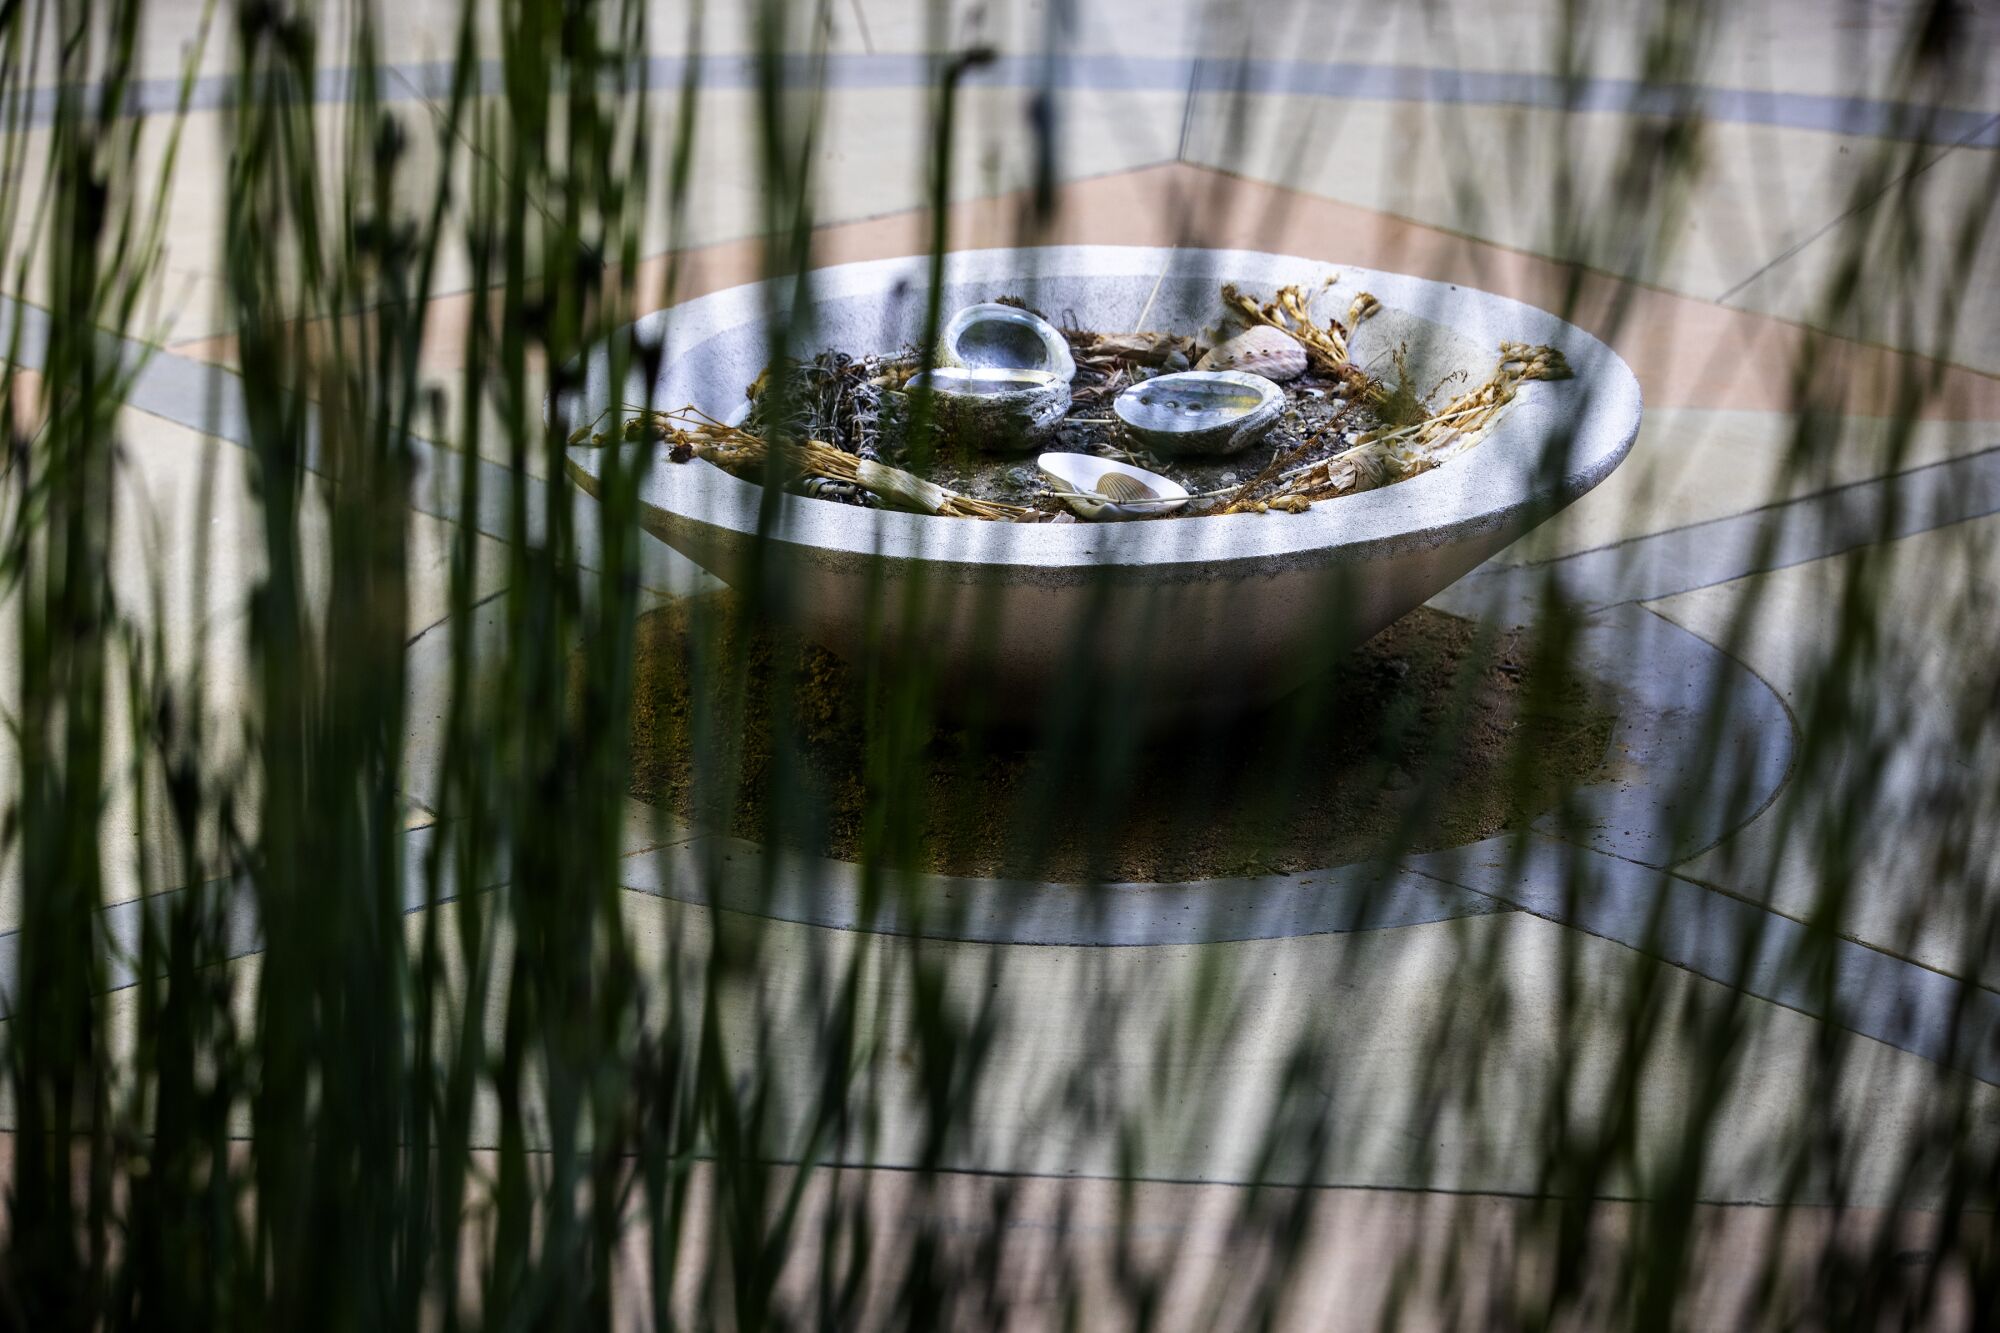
pixel 1290 312
pixel 1383 457
pixel 693 434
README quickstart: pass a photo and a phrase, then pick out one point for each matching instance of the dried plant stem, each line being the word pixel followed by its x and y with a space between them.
pixel 742 454
pixel 1153 295
pixel 1396 455
pixel 1326 344
pixel 1377 459
pixel 1274 470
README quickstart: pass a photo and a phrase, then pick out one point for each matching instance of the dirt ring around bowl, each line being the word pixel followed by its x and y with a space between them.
pixel 1657 802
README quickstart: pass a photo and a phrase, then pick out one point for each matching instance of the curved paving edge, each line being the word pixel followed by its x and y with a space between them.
pixel 740 876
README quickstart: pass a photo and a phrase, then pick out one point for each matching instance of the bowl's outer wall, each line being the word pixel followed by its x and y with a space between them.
pixel 1198 614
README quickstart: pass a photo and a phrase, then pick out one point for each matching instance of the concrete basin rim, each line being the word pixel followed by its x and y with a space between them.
pixel 1595 415
pixel 1108 564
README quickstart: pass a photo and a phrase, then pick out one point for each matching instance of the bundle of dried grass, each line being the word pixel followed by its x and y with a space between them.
pixel 1460 423
pixel 692 434
pixel 1383 457
pixel 1326 344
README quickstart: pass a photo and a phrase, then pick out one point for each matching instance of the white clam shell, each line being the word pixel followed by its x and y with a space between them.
pixel 1262 350
pixel 1080 475
pixel 991 336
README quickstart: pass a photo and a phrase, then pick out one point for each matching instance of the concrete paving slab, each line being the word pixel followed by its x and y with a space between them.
pixel 1738 943
pixel 1460 1027
pixel 1383 1013
pixel 1722 550
pixel 1360 1259
pixel 1922 746
pixel 1692 466
pixel 187 553
pixel 427 30
pixel 1522 176
pixel 187 297
pixel 1925 252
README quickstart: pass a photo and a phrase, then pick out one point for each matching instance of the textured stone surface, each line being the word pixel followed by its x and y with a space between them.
pixel 999 411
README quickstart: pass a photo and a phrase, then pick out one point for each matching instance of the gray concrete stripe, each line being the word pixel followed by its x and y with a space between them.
pixel 1742 944
pixel 739 876
pixel 1702 744
pixel 233 901
pixel 209 399
pixel 1777 536
pixel 1336 81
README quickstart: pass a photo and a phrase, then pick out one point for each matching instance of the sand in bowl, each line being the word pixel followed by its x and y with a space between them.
pixel 1423 738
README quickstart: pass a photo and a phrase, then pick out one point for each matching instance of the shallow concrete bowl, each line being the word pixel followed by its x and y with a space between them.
pixel 1194 614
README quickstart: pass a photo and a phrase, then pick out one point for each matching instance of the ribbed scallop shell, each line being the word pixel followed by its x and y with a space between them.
pixel 1124 488
pixel 1103 488
pixel 1265 351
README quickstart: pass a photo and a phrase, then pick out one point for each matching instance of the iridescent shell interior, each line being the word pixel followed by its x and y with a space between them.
pixel 981 381
pixel 1189 402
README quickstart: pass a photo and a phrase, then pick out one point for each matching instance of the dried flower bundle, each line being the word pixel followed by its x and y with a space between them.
pixel 690 434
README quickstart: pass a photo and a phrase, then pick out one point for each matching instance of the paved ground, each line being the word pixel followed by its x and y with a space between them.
pixel 1436 140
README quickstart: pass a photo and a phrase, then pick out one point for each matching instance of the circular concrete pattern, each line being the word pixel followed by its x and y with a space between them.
pixel 1648 811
